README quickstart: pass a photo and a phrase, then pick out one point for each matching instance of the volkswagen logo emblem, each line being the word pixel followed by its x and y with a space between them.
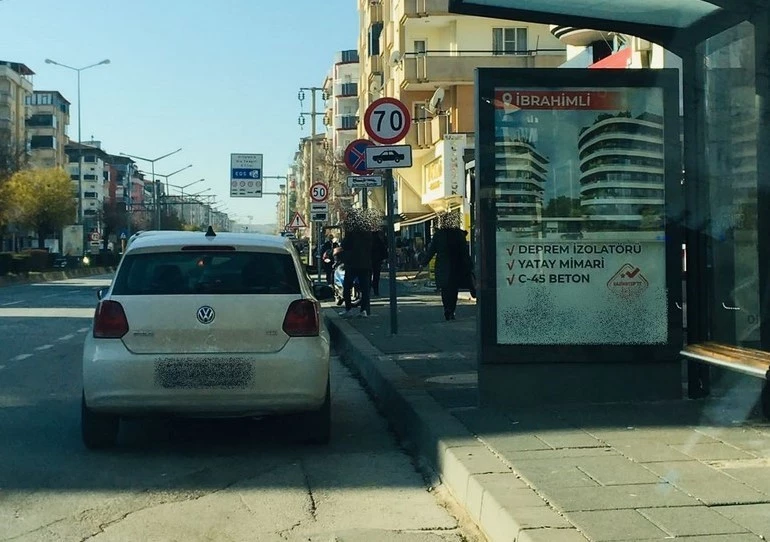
pixel 205 315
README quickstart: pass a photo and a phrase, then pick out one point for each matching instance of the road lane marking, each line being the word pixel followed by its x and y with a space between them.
pixel 83 329
pixel 65 338
pixel 44 312
pixel 11 303
pixel 22 357
pixel 44 347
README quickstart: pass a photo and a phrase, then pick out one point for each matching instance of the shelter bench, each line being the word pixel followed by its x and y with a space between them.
pixel 746 361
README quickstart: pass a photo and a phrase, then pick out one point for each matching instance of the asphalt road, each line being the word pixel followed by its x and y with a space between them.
pixel 187 480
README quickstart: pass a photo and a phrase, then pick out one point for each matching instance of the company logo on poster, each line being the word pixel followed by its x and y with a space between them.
pixel 628 282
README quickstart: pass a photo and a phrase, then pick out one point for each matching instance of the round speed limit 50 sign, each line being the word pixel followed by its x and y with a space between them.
pixel 319 192
pixel 387 121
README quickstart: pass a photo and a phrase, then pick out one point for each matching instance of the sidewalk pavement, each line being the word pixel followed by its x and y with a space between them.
pixel 51 275
pixel 695 470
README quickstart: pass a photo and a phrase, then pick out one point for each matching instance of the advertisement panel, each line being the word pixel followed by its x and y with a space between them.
pixel 578 216
pixel 580 202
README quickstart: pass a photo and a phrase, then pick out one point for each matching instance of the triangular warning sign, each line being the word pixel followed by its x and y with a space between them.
pixel 297 222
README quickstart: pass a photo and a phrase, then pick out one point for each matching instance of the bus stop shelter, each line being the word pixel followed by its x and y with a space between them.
pixel 725 200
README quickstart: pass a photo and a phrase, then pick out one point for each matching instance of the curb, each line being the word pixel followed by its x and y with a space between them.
pixel 502 505
pixel 48 276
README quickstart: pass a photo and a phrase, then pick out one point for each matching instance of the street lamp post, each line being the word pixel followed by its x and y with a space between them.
pixel 181 188
pixel 154 184
pixel 188 166
pixel 80 130
pixel 284 192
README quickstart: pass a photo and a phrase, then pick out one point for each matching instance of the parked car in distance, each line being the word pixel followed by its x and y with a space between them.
pixel 207 325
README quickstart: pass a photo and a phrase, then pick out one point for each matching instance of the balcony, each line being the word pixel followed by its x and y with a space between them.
pixel 346 122
pixel 375 11
pixel 423 8
pixel 346 57
pixel 447 68
pixel 346 90
pixel 425 133
pixel 580 37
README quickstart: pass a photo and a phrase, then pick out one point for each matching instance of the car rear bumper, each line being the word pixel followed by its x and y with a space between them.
pixel 216 385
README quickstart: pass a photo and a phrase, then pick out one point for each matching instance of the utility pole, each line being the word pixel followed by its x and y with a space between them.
pixel 284 193
pixel 313 113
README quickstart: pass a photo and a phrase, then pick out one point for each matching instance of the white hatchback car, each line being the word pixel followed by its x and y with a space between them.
pixel 207 325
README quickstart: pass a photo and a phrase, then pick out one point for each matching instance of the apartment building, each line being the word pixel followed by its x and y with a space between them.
pixel 419 53
pixel 95 171
pixel 49 117
pixel 15 87
pixel 341 87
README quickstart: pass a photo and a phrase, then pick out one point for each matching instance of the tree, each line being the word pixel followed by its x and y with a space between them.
pixel 39 199
pixel 13 158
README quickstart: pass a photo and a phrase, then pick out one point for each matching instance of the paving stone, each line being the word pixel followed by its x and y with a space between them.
pixel 553 472
pixel 755 517
pixel 539 517
pixel 514 442
pixel 691 521
pixel 649 451
pixel 613 471
pixel 666 435
pixel 477 459
pixel 610 525
pixel 507 490
pixel 570 499
pixel 711 451
pixel 551 535
pixel 707 484
pixel 561 453
pixel 575 438
pixel 756 477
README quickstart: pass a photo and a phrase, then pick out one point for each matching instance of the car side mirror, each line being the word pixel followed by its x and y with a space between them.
pixel 323 292
pixel 101 292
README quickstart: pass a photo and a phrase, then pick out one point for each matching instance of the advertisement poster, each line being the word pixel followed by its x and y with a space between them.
pixel 579 195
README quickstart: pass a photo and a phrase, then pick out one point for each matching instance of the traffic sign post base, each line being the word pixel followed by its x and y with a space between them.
pixel 393 281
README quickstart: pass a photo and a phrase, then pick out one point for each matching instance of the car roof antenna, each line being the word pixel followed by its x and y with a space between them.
pixel 210 232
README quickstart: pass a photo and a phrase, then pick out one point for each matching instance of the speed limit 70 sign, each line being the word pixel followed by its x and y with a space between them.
pixel 319 192
pixel 387 121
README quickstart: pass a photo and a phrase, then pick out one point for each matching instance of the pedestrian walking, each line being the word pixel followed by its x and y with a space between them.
pixel 357 257
pixel 379 255
pixel 453 262
pixel 327 257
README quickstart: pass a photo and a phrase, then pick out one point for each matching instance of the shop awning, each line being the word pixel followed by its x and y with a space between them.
pixel 619 60
pixel 672 23
pixel 412 219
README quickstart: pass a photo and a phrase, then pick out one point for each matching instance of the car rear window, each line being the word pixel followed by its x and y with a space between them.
pixel 201 272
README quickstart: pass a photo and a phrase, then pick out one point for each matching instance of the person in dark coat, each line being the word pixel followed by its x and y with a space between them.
pixel 379 255
pixel 453 262
pixel 357 257
pixel 327 257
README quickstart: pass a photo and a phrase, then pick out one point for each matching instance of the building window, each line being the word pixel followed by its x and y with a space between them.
pixel 509 41
pixel 89 194
pixel 420 47
pixel 89 158
pixel 89 177
pixel 42 121
pixel 374 39
pixel 42 142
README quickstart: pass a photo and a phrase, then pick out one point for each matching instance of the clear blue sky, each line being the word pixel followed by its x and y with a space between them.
pixel 210 76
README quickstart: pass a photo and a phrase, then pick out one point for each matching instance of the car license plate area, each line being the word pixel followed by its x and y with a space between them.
pixel 203 374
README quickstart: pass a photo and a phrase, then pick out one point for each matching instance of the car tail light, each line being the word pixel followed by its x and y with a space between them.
pixel 110 321
pixel 302 319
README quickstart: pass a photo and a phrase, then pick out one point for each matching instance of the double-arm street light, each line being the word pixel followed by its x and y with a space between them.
pixel 80 131
pixel 154 185
pixel 181 189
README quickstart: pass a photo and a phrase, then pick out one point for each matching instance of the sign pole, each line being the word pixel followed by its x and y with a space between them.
pixel 390 192
pixel 365 198
pixel 319 255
